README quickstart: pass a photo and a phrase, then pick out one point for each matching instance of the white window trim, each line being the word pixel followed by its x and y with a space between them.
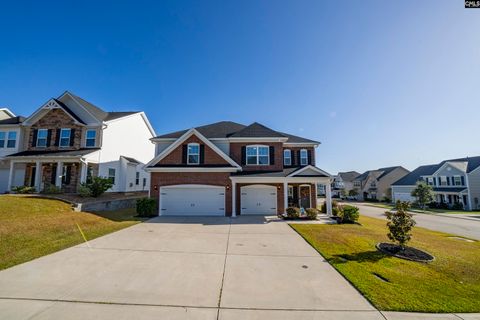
pixel 441 180
pixel 7 139
pixel 454 182
pixel 285 151
pixel 4 139
pixel 69 137
pixel 114 175
pixel 258 146
pixel 306 157
pixel 87 138
pixel 137 178
pixel 193 154
pixel 38 138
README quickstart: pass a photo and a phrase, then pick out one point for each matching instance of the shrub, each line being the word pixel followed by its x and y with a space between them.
pixel 457 206
pixel 336 211
pixel 386 199
pixel 146 207
pixel 400 223
pixel 311 213
pixel 334 205
pixel 98 185
pixel 84 191
pixel 293 213
pixel 51 189
pixel 24 189
pixel 349 214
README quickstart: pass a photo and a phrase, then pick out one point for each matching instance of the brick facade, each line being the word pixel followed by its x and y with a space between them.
pixel 53 120
pixel 296 159
pixel 176 156
pixel 236 155
pixel 49 169
pixel 161 179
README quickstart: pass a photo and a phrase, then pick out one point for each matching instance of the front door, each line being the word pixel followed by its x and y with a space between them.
pixel 33 173
pixel 304 192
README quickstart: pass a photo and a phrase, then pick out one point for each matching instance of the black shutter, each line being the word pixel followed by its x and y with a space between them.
pixel 53 178
pixel 272 155
pixel 49 137
pixel 72 137
pixel 184 154
pixel 68 174
pixel 463 180
pixel 244 155
pixel 57 138
pixel 309 153
pixel 448 181
pixel 292 155
pixel 202 154
pixel 35 134
pixel 298 158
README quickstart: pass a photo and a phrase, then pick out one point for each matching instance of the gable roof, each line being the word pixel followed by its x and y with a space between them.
pixel 13 120
pixel 69 111
pixel 312 171
pixel 383 172
pixel 427 170
pixel 227 129
pixel 387 171
pixel 348 176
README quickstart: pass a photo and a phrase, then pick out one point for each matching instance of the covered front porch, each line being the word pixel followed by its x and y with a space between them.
pixel 64 175
pixel 452 197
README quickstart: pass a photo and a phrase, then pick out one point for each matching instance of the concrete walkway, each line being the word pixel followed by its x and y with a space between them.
pixel 187 268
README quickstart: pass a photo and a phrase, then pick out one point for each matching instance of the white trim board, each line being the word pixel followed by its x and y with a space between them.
pixel 295 173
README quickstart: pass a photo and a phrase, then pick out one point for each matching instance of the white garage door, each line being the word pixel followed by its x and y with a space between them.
pixel 403 196
pixel 258 199
pixel 192 200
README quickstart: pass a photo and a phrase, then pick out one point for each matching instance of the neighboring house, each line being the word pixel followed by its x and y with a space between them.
pixel 376 184
pixel 227 168
pixel 343 183
pixel 68 140
pixel 453 181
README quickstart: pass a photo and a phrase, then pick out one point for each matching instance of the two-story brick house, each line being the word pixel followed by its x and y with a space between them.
pixel 68 139
pixel 454 181
pixel 227 169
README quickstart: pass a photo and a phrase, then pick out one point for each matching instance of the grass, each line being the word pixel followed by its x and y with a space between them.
pixel 451 283
pixel 389 207
pixel 33 227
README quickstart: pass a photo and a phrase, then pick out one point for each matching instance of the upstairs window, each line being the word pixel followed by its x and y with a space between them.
pixel 193 153
pixel 2 139
pixel 287 157
pixel 357 184
pixel 258 155
pixel 111 175
pixel 12 139
pixel 457 181
pixel 443 180
pixel 137 178
pixel 42 135
pixel 90 138
pixel 65 137
pixel 303 157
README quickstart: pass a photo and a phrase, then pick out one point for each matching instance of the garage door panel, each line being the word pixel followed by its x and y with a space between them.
pixel 192 201
pixel 258 200
pixel 403 196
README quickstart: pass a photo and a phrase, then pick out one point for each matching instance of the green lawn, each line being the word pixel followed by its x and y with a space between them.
pixel 33 227
pixel 389 207
pixel 451 283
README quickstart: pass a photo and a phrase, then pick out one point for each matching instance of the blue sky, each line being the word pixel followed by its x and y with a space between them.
pixel 379 83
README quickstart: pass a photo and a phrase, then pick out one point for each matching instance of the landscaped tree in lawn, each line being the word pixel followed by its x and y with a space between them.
pixel 424 194
pixel 353 193
pixel 400 224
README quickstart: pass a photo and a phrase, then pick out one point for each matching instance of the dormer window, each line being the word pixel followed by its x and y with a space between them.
pixel 258 155
pixel 287 157
pixel 193 153
pixel 90 138
pixel 65 137
pixel 42 135
pixel 303 157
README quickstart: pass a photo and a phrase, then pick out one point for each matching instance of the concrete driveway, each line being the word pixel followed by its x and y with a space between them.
pixel 184 268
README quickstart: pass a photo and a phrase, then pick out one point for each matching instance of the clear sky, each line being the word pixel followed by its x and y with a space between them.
pixel 379 83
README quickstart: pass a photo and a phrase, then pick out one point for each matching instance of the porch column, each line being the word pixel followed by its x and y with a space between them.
pixel 328 198
pixel 38 175
pixel 234 199
pixel 10 175
pixel 285 196
pixel 58 174
pixel 83 172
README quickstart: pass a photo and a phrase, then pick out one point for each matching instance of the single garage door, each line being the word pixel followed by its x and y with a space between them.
pixel 192 200
pixel 258 199
pixel 403 196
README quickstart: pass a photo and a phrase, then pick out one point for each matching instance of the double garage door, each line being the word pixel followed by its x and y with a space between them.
pixel 204 200
pixel 192 200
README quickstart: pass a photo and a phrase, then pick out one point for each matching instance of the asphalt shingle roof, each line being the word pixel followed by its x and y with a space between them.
pixel 13 120
pixel 226 129
pixel 49 153
pixel 348 176
pixel 426 170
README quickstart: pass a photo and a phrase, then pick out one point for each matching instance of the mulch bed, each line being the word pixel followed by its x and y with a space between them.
pixel 408 253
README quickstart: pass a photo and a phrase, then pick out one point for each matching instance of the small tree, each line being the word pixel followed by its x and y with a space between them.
pixel 353 193
pixel 400 223
pixel 423 193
